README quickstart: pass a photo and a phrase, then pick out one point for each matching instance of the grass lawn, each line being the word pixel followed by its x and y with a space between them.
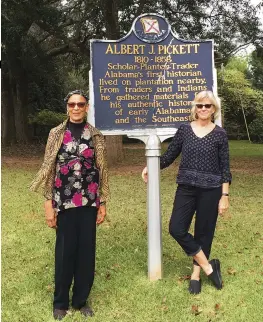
pixel 122 291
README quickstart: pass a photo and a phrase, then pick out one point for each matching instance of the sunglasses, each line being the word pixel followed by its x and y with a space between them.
pixel 204 105
pixel 79 104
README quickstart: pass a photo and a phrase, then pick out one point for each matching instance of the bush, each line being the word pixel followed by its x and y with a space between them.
pixel 43 121
pixel 47 118
pixel 256 129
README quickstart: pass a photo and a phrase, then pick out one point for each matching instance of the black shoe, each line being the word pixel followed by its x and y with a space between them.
pixel 215 276
pixel 194 287
pixel 86 311
pixel 59 314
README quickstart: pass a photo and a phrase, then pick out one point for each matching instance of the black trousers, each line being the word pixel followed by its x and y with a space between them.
pixel 204 202
pixel 75 256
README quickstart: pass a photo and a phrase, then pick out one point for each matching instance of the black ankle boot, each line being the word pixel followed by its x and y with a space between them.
pixel 59 314
pixel 215 276
pixel 194 287
pixel 86 311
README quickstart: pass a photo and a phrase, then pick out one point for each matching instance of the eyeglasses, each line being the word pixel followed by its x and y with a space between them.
pixel 204 105
pixel 79 104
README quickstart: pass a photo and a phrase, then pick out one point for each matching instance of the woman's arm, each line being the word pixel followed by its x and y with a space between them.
pixel 51 218
pixel 173 150
pixel 226 175
pixel 50 213
pixel 224 201
pixel 43 176
pixel 224 160
pixel 225 189
pixel 101 162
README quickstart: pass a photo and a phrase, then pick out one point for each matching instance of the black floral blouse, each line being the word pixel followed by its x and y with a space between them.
pixel 204 162
pixel 77 178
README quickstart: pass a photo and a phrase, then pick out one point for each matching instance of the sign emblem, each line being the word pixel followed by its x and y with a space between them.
pixel 150 25
pixel 151 28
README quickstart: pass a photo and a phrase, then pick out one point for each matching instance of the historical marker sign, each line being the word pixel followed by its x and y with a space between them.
pixel 148 79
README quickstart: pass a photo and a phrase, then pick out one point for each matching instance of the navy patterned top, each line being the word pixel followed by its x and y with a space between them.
pixel 77 178
pixel 204 162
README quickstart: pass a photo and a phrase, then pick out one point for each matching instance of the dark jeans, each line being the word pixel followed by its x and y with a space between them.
pixel 75 256
pixel 204 202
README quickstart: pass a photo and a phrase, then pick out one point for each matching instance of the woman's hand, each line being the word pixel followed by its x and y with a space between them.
pixel 145 174
pixel 50 213
pixel 101 214
pixel 223 205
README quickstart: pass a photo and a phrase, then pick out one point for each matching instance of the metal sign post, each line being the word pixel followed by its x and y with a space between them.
pixel 154 218
pixel 153 152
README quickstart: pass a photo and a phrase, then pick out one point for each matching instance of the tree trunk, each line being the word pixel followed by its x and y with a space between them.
pixel 8 117
pixel 20 98
pixel 110 13
pixel 114 149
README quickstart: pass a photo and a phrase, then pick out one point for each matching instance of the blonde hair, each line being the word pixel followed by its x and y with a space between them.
pixel 199 97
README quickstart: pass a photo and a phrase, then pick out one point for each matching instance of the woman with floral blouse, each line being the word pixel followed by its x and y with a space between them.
pixel 74 179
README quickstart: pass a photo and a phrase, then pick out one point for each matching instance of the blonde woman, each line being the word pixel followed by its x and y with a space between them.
pixel 203 186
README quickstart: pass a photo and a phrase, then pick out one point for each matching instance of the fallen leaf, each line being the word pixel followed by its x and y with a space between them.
pixel 50 288
pixel 231 271
pixel 184 278
pixel 217 306
pixel 115 266
pixel 196 310
pixel 108 276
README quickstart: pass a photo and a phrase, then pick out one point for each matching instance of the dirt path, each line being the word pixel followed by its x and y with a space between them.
pixel 21 162
pixel 133 162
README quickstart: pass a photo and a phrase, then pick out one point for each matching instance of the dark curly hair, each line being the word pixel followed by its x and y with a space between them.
pixel 78 92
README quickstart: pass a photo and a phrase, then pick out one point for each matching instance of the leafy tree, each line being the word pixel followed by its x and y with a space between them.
pixel 232 25
pixel 256 67
pixel 256 129
pixel 241 102
pixel 44 42
pixel 30 81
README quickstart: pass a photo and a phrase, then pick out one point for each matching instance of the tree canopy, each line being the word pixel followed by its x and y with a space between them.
pixel 45 44
pixel 242 102
pixel 256 67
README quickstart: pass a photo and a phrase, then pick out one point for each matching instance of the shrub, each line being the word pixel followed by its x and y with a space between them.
pixel 256 129
pixel 47 118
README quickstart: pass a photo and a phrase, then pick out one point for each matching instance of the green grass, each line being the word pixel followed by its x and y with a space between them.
pixel 121 290
pixel 245 149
